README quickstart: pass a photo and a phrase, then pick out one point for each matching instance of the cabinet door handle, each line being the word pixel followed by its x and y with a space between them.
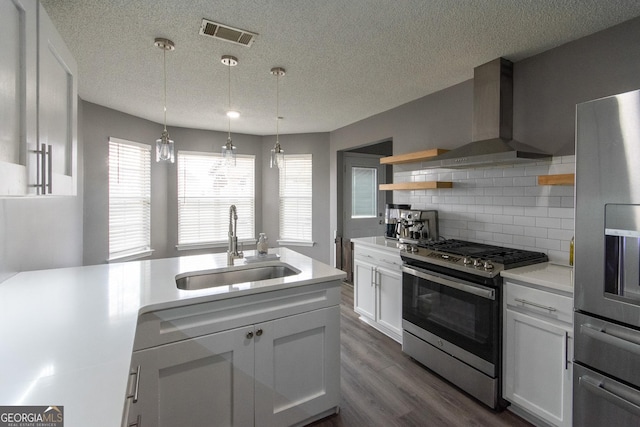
pixel 41 168
pixel 249 335
pixel 372 280
pixel 566 350
pixel 49 155
pixel 259 332
pixel 533 304
pixel 137 385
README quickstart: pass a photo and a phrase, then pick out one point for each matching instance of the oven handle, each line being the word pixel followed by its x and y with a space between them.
pixel 470 288
pixel 609 337
pixel 619 397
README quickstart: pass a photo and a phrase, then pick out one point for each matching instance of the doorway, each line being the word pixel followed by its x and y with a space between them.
pixel 360 203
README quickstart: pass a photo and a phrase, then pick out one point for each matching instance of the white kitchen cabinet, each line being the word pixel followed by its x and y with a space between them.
pixel 280 372
pixel 18 92
pixel 378 289
pixel 38 104
pixel 57 112
pixel 188 382
pixel 297 367
pixel 538 349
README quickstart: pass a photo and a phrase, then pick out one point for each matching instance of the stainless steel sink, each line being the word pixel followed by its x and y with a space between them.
pixel 233 275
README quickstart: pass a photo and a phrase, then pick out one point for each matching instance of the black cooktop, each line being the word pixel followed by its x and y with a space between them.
pixel 507 257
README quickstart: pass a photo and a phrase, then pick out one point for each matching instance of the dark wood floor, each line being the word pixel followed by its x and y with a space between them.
pixel 381 386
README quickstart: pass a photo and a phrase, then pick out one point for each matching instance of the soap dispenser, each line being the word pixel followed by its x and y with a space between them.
pixel 263 244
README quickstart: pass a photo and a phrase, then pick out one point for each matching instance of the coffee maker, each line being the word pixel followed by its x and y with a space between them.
pixel 392 218
pixel 418 225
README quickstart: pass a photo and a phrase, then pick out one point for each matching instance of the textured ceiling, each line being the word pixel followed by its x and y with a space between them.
pixel 345 59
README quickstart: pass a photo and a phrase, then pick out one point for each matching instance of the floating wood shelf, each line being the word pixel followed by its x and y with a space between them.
pixel 415 157
pixel 560 179
pixel 422 185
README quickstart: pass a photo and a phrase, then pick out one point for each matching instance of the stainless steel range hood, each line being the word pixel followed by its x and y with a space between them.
pixel 492 124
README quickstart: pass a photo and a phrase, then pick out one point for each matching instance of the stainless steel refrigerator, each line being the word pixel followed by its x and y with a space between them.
pixel 606 376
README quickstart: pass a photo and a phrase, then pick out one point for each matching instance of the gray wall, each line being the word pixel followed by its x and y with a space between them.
pixel 44 232
pixel 318 145
pixel 100 123
pixel 546 88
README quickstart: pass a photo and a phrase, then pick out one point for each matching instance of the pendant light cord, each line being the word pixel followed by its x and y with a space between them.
pixel 229 109
pixel 277 106
pixel 164 65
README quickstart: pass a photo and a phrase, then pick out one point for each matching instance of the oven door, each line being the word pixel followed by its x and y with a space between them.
pixel 459 312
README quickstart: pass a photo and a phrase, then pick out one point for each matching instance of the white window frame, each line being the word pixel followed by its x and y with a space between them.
pixel 296 190
pixel 129 217
pixel 203 208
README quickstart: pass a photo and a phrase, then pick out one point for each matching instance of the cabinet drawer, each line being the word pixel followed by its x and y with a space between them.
pixel 380 258
pixel 539 302
pixel 179 323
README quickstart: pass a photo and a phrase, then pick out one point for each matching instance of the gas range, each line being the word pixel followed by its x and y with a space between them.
pixel 470 257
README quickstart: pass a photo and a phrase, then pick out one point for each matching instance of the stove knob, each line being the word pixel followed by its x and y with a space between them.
pixel 467 260
pixel 477 262
pixel 487 265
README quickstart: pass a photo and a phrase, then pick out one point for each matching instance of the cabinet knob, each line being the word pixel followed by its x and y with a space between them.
pixel 249 335
pixel 259 332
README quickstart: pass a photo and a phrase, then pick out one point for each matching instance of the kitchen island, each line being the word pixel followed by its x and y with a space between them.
pixel 68 334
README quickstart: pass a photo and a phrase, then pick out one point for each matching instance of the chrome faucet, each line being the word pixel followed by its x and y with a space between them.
pixel 232 252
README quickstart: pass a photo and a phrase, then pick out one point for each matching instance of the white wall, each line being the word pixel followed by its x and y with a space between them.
pixel 501 205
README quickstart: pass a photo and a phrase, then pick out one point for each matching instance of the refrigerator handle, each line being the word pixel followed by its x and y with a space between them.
pixel 598 388
pixel 608 338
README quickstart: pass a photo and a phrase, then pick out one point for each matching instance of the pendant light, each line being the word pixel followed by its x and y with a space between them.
pixel 277 153
pixel 229 150
pixel 164 145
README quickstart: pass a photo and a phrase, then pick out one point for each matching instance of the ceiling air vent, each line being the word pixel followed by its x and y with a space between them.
pixel 226 33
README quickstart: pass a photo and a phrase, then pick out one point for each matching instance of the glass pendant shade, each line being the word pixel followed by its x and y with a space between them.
pixel 164 148
pixel 277 156
pixel 229 153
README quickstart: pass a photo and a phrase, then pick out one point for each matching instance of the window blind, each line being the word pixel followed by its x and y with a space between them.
pixel 296 192
pixel 207 187
pixel 129 198
pixel 364 192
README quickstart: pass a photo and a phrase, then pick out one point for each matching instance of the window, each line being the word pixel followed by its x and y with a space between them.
pixel 207 187
pixel 129 199
pixel 364 193
pixel 295 200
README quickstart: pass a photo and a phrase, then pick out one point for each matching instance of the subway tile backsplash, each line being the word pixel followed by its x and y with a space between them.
pixel 500 205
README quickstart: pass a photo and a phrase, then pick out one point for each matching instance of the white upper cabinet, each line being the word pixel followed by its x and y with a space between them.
pixel 38 104
pixel 18 92
pixel 57 112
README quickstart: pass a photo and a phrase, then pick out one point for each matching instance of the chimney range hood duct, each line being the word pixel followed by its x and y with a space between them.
pixel 492 124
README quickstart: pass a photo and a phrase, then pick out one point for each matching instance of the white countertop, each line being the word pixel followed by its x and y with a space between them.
pixel 379 242
pixel 66 335
pixel 549 275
